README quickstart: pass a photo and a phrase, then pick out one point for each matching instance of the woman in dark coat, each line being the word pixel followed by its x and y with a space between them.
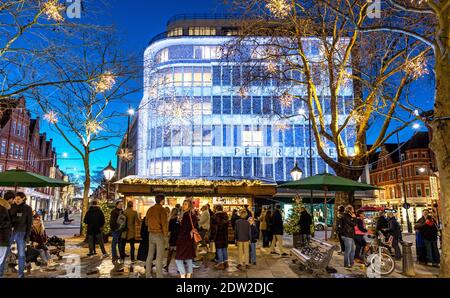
pixel 143 246
pixel 185 243
pixel 174 226
pixel 219 234
pixel 269 227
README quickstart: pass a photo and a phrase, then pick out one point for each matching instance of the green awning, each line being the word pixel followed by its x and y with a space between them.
pixel 21 178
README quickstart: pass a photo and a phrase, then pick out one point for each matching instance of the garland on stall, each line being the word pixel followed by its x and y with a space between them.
pixel 291 226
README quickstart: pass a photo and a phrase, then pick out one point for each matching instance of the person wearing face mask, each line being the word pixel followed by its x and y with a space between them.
pixel 22 220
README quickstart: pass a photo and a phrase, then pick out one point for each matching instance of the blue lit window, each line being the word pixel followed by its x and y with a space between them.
pixel 207 135
pixel 217 105
pixel 216 76
pixel 326 105
pixel 226 132
pixel 268 167
pixel 237 166
pixel 187 135
pixel 236 135
pixel 246 105
pixel 268 135
pixel 216 133
pixel 166 136
pixel 206 166
pixel 226 105
pixel 226 163
pixel 217 167
pixel 226 76
pixel 176 136
pixel 237 76
pixel 197 135
pixel 196 166
pixel 277 106
pixel 267 105
pixel 257 166
pixel 248 166
pixel 256 105
pixel 289 136
pixel 280 134
pixel 237 106
pixel 279 169
pixel 320 166
pixel 299 142
pixel 158 137
pixel 298 104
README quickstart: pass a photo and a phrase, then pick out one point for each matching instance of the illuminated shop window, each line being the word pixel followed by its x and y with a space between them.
pixel 237 166
pixel 207 52
pixel 207 106
pixel 199 31
pixel 175 32
pixel 226 166
pixel 197 135
pixel 252 138
pixel 162 56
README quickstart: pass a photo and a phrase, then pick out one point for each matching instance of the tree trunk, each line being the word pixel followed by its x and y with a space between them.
pixel 86 188
pixel 441 148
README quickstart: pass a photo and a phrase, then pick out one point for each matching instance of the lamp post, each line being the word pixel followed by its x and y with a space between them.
pixel 130 113
pixel 406 205
pixel 302 112
pixel 108 172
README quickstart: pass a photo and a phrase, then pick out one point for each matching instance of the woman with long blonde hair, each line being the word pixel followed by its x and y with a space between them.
pixel 186 245
pixel 39 238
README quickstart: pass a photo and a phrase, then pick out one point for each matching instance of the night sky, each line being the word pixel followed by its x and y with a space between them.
pixel 136 22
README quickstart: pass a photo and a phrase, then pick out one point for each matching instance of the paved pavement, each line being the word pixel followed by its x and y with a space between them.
pixel 268 265
pixel 57 228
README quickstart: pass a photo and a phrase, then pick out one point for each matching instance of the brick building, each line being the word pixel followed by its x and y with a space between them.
pixel 420 176
pixel 23 146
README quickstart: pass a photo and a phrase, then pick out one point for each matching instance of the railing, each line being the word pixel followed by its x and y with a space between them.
pixel 202 16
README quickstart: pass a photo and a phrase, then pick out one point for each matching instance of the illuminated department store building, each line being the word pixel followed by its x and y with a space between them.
pixel 194 122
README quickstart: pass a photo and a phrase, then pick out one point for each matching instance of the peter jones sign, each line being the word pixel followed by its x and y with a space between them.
pixel 280 152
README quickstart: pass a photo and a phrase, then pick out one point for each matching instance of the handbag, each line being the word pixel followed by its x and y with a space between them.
pixel 194 232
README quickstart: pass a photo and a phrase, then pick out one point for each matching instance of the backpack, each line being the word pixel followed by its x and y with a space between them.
pixel 121 222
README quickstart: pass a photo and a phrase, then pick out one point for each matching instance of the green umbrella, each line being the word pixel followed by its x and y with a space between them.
pixel 21 178
pixel 328 182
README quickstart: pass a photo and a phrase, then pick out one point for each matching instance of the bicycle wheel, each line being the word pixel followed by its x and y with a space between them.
pixel 382 264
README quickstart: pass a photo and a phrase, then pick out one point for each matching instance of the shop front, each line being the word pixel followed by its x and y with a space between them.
pixel 232 194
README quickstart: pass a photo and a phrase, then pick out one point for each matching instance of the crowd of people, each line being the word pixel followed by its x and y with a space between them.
pixel 184 232
pixel 352 232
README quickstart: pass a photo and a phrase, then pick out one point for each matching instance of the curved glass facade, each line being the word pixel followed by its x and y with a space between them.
pixel 195 120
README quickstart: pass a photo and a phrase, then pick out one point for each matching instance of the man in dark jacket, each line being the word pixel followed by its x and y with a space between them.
pixel 347 225
pixel 5 229
pixel 278 231
pixel 421 250
pixel 382 223
pixel 95 221
pixel 305 223
pixel 395 231
pixel 116 241
pixel 22 220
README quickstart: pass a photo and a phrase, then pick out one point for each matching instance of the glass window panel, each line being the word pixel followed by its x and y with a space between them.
pixel 267 105
pixel 187 135
pixel 320 166
pixel 196 166
pixel 237 135
pixel 158 137
pixel 186 166
pixel 289 136
pixel 217 103
pixel 167 136
pixel 217 166
pixel 178 76
pixel 207 135
pixel 206 166
pixel 277 106
pixel 299 142
pixel 207 107
pixel 246 105
pixel 197 133
pixel 268 135
pixel 247 167
pixel 236 75
pixel 226 105
pixel 279 169
pixel 188 76
pixel 257 105
pixel 226 76
pixel 289 166
pixel 237 166
pixel 176 136
pixel 268 167
pixel 257 167
pixel 176 168
pixel 237 105
pixel 226 165
pixel 216 76
pixel 226 133
pixel 216 135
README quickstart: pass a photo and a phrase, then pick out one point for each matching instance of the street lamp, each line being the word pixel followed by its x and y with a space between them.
pixel 108 172
pixel 302 112
pixel 296 173
pixel 131 113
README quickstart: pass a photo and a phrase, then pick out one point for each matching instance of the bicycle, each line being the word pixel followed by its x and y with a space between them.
pixel 376 255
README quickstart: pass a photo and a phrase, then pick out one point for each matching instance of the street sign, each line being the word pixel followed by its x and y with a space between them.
pixel 406 206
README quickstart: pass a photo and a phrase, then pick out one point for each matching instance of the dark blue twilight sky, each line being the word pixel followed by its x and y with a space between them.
pixel 137 21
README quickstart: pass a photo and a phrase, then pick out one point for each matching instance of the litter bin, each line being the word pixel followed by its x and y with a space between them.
pixel 408 262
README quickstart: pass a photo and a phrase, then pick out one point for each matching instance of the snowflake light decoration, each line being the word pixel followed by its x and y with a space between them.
pixel 92 126
pixel 286 99
pixel 51 117
pixel 125 154
pixel 279 8
pixel 416 67
pixel 105 82
pixel 271 67
pixel 53 10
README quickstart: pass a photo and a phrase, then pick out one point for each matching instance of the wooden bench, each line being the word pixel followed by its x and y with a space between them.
pixel 315 256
